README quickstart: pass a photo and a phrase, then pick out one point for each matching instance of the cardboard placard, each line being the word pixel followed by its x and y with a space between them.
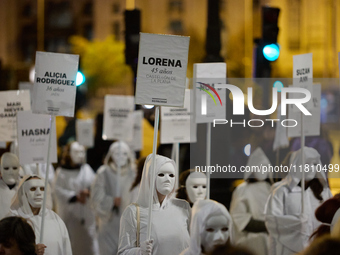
pixel 54 90
pixel 118 118
pixel 162 67
pixel 178 124
pixel 85 132
pixel 3 145
pixel 303 76
pixel 137 142
pixel 33 136
pixel 312 122
pixel 27 86
pixel 206 75
pixel 12 102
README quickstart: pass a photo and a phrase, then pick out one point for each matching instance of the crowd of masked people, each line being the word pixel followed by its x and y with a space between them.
pixel 126 208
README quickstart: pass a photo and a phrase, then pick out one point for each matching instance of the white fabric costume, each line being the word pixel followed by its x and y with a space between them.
pixel 103 193
pixel 55 237
pixel 6 195
pixel 78 218
pixel 170 220
pixel 9 170
pixel 201 212
pixel 290 230
pixel 248 202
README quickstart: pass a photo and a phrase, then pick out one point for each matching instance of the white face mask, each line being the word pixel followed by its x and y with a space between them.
pixel 77 153
pixel 312 164
pixel 10 168
pixel 260 176
pixel 310 169
pixel 196 186
pixel 34 190
pixel 120 157
pixel 216 232
pixel 165 179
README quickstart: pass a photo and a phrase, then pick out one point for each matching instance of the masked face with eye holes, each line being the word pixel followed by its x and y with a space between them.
pixel 195 186
pixel 34 191
pixel 165 179
pixel 216 232
pixel 77 153
pixel 10 168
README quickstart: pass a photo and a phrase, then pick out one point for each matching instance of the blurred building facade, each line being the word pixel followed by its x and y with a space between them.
pixel 305 26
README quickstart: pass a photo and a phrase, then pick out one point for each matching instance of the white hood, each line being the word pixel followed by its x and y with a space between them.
pixel 259 159
pixel 294 177
pixel 20 202
pixel 201 211
pixel 145 184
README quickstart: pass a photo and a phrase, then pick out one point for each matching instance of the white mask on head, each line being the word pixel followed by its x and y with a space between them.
pixel 34 190
pixel 310 170
pixel 77 153
pixel 10 168
pixel 216 232
pixel 196 186
pixel 165 179
pixel 120 157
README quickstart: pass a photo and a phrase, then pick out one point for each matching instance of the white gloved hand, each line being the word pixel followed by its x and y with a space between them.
pixel 146 247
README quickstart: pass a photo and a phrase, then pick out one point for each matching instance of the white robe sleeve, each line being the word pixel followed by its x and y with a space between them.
pixel 67 250
pixel 127 233
pixel 291 231
pixel 60 188
pixel 101 202
pixel 239 209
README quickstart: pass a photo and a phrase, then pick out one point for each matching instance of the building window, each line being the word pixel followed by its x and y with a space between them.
pixel 116 30
pixel 176 5
pixel 294 24
pixel 88 31
pixel 116 8
pixel 87 8
pixel 27 10
pixel 176 26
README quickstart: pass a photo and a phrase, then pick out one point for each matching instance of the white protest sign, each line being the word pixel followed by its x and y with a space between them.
pixel 33 136
pixel 178 124
pixel 3 145
pixel 162 68
pixel 311 122
pixel 118 118
pixel 54 90
pixel 27 86
pixel 85 132
pixel 11 102
pixel 303 76
pixel 137 142
pixel 210 102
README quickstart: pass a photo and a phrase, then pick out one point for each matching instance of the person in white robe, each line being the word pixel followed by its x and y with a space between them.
pixel 72 190
pixel 9 173
pixel 27 204
pixel 170 216
pixel 107 194
pixel 288 227
pixel 247 205
pixel 211 226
